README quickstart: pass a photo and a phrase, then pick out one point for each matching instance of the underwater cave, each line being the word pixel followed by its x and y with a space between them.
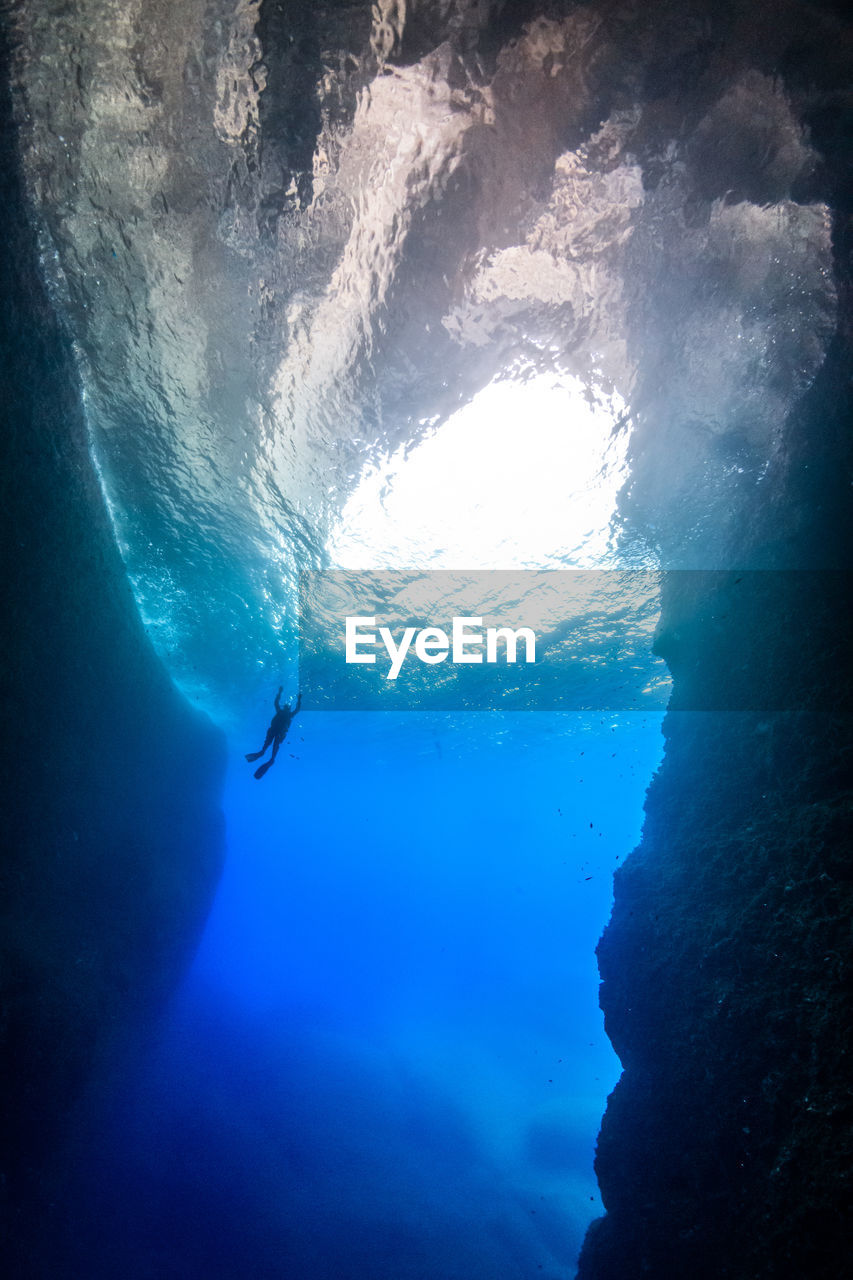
pixel 547 976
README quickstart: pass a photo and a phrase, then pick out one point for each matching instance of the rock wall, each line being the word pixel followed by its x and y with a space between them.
pixel 111 825
pixel 727 1146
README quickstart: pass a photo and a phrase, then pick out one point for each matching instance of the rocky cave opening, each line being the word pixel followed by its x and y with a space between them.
pixel 278 244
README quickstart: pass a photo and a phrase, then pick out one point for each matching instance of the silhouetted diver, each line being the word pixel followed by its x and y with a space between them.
pixel 276 733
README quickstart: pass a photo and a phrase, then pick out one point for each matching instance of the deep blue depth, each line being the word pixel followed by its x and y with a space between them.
pixel 388 1060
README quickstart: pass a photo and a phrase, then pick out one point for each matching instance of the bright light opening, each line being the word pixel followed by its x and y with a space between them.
pixel 525 476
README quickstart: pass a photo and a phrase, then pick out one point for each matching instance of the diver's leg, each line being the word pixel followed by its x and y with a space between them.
pixel 256 755
pixel 262 768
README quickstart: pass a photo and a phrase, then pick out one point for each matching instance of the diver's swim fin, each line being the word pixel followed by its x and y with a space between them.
pixel 254 755
pixel 259 773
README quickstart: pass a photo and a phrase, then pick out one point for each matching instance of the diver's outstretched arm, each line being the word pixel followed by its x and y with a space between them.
pixel 298 703
pixel 277 696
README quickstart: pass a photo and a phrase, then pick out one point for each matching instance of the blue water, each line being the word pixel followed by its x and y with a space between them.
pixel 388 1061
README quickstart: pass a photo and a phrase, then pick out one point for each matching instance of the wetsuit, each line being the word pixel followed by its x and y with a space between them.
pixel 276 733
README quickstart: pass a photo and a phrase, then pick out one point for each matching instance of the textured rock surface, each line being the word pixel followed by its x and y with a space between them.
pixel 726 1147
pixel 290 237
pixel 110 811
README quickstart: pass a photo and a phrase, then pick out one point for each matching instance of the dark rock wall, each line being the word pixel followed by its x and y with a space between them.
pixel 111 827
pixel 727 1146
